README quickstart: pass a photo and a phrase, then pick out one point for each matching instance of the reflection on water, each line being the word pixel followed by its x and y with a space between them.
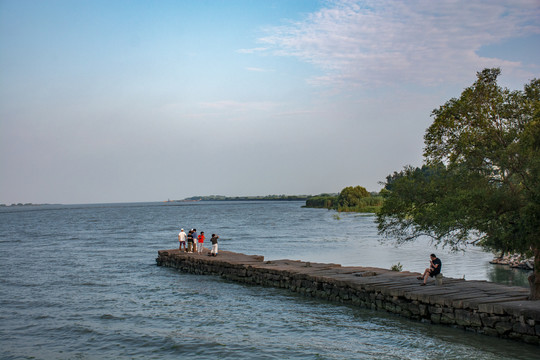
pixel 503 274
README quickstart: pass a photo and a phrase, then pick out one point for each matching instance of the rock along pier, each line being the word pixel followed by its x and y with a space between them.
pixel 480 306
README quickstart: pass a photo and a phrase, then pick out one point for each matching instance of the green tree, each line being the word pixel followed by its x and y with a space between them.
pixel 351 197
pixel 481 179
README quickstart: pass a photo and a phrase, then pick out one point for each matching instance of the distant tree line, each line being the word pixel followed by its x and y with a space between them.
pixel 21 204
pixel 247 198
pixel 350 199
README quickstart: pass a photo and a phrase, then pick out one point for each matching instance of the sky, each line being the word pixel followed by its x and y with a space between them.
pixel 127 101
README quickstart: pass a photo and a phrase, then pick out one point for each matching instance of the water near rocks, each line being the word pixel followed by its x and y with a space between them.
pixel 81 282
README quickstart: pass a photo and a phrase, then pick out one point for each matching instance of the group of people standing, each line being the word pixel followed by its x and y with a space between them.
pixel 195 242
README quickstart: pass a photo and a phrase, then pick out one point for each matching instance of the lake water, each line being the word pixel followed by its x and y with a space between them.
pixel 80 282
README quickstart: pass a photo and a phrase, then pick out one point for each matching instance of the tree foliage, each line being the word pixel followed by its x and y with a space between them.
pixel 350 199
pixel 480 180
pixel 352 196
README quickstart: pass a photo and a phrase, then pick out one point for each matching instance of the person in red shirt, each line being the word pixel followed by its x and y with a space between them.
pixel 201 241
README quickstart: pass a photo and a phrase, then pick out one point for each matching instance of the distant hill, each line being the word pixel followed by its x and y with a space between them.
pixel 247 198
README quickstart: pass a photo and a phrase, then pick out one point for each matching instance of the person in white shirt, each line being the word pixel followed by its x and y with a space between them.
pixel 182 239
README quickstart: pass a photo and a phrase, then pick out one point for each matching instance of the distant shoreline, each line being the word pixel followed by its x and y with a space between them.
pixel 245 198
pixel 21 204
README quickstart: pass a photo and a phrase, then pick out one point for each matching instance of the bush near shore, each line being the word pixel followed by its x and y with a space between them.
pixel 350 199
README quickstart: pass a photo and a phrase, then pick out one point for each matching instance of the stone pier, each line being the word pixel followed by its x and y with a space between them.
pixel 479 306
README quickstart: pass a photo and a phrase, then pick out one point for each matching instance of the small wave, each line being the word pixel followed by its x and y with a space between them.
pixel 12 241
pixel 78 329
pixel 41 317
pixel 89 283
pixel 111 317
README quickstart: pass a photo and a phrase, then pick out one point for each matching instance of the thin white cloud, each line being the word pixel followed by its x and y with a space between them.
pixel 256 69
pixel 375 42
pixel 239 106
pixel 295 113
pixel 251 51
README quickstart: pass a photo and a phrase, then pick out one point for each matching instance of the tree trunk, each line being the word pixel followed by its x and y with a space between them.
pixel 534 279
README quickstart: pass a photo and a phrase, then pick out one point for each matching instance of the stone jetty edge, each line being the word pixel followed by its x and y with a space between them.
pixel 480 306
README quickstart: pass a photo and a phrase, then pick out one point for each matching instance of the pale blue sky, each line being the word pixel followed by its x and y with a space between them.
pixel 120 101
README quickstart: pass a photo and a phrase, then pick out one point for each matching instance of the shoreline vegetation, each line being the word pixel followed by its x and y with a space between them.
pixel 21 204
pixel 244 198
pixel 350 199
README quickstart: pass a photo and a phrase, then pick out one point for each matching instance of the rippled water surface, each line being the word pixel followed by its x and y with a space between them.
pixel 81 282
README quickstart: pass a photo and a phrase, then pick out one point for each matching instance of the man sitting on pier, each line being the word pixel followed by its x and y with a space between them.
pixel 433 270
